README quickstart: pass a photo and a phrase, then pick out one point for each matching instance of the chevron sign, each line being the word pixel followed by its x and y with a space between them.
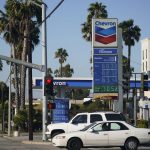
pixel 105 32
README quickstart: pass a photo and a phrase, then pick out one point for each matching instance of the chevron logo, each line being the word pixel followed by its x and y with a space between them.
pixel 105 36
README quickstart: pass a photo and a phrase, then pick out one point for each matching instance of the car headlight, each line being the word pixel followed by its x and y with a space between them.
pixel 59 137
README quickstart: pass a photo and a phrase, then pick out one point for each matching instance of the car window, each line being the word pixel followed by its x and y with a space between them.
pixel 98 127
pixel 80 119
pixel 95 117
pixel 117 126
pixel 118 117
pixel 89 126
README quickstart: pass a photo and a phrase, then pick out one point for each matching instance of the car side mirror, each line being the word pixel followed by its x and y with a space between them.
pixel 93 131
pixel 90 130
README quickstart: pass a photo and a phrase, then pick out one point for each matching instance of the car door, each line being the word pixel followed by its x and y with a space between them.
pixel 118 134
pixel 96 136
pixel 78 123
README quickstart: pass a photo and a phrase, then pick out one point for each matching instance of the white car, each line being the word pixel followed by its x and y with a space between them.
pixel 104 134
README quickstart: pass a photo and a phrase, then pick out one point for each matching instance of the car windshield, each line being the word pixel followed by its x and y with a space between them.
pixel 87 127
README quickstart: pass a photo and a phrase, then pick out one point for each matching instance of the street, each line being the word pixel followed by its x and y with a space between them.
pixel 12 143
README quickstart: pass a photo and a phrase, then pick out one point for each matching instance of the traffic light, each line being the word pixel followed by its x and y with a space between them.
pixel 145 83
pixel 126 82
pixel 51 105
pixel 48 86
pixel 125 86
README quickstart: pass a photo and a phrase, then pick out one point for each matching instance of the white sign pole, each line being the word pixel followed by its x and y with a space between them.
pixel 118 104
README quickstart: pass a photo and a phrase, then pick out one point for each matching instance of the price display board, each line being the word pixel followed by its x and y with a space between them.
pixel 105 74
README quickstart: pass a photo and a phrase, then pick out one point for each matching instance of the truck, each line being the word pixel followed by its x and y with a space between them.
pixel 81 120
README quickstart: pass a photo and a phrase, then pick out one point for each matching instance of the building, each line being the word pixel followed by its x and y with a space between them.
pixel 145 56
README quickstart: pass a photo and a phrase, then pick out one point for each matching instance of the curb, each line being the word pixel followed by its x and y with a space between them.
pixel 25 141
pixel 36 142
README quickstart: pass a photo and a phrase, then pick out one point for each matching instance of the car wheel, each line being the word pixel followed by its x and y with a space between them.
pixel 55 133
pixel 74 144
pixel 131 144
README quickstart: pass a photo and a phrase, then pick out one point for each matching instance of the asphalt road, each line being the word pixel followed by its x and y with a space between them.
pixel 12 143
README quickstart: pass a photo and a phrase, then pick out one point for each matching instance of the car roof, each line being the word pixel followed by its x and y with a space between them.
pixel 108 121
pixel 102 112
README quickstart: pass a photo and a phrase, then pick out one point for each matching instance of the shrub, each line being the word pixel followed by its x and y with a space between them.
pixel 142 123
pixel 20 120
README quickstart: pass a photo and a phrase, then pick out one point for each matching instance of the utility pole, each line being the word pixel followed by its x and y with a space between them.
pixel 9 105
pixel 44 63
pixel 135 103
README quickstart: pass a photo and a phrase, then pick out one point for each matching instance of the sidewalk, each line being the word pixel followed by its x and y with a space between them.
pixel 24 138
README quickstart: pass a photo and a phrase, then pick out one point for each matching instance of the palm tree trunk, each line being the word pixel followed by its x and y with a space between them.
pixel 129 56
pixel 16 84
pixel 61 70
pixel 23 69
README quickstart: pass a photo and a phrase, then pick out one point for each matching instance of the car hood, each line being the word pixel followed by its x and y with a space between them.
pixel 56 125
pixel 73 134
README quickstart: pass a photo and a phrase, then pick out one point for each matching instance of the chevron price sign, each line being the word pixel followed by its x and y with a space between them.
pixel 105 32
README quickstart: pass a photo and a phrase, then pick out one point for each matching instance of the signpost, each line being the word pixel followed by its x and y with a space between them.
pixel 106 59
pixel 61 112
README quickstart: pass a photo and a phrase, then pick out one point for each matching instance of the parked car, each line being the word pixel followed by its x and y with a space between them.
pixel 82 120
pixel 87 99
pixel 104 134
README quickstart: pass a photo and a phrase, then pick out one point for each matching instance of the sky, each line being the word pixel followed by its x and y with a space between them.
pixel 64 31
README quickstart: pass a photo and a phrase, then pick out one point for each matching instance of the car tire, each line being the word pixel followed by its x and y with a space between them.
pixel 74 144
pixel 55 133
pixel 131 144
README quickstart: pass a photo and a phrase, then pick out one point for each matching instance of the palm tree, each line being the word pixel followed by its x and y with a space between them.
pixel 29 16
pixel 62 55
pixel 131 34
pixel 96 10
pixel 10 33
pixel 19 19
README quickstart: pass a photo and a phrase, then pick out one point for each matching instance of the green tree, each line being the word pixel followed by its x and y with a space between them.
pixel 80 93
pixel 67 71
pixel 57 73
pixel 20 120
pixel 62 55
pixel 49 71
pixel 4 90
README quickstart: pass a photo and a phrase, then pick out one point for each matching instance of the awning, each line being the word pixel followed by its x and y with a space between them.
pixel 106 96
